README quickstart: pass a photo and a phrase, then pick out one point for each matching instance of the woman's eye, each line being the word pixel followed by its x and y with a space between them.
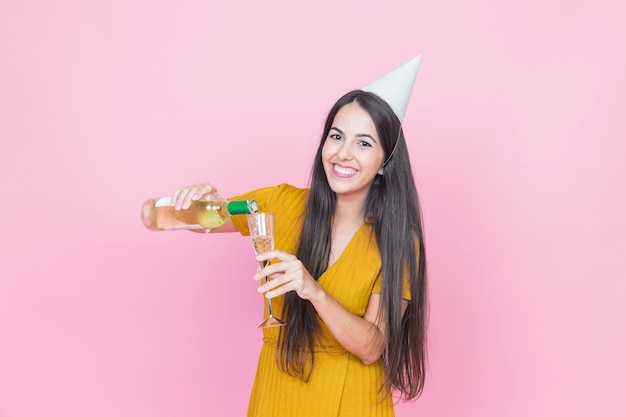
pixel 335 137
pixel 365 144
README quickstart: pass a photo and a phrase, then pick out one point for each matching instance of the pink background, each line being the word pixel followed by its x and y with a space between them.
pixel 517 133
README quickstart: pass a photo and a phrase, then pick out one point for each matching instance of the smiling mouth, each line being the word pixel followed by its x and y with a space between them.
pixel 343 171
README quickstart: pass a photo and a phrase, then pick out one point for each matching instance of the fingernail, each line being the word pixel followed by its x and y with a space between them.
pixel 256 277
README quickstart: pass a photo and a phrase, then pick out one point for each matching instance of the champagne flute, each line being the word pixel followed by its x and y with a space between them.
pixel 261 227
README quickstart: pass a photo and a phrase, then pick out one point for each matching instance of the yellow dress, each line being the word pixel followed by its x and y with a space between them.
pixel 340 384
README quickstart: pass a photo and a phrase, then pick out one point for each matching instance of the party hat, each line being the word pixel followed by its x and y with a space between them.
pixel 396 86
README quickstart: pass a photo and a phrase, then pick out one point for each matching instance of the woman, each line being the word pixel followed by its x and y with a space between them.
pixel 351 276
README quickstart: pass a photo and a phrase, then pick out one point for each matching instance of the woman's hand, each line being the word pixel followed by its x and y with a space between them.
pixel 364 336
pixel 287 275
pixel 183 197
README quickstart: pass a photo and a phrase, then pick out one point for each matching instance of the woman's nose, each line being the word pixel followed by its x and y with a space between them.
pixel 344 151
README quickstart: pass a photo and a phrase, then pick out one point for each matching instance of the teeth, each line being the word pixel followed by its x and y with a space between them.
pixel 344 171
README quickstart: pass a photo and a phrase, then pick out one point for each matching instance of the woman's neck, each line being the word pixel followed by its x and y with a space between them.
pixel 349 212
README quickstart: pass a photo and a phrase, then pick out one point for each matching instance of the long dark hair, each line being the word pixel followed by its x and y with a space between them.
pixel 394 212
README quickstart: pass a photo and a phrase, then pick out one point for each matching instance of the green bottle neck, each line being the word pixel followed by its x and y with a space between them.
pixel 242 207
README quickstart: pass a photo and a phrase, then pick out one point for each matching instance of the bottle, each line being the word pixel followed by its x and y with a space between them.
pixel 209 212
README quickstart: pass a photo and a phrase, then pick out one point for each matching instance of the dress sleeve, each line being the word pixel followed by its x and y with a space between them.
pixel 406 291
pixel 269 199
pixel 262 196
pixel 407 281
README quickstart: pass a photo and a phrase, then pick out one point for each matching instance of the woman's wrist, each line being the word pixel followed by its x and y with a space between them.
pixel 319 297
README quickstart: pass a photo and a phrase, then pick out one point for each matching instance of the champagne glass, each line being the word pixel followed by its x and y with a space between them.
pixel 262 233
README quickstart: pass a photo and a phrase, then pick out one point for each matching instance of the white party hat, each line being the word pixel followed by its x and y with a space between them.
pixel 396 86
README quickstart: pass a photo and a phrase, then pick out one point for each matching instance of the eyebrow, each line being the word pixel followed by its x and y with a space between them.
pixel 358 135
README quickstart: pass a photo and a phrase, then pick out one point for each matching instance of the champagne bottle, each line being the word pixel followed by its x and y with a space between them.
pixel 209 212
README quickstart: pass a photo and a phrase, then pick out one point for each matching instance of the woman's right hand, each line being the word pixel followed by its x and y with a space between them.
pixel 183 197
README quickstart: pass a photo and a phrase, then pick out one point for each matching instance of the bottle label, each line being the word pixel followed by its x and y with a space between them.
pixel 163 202
pixel 184 227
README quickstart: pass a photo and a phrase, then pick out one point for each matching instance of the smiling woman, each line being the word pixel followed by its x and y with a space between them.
pixel 350 280
pixel 352 154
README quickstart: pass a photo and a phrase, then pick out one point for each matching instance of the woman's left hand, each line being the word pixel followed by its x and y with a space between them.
pixel 287 275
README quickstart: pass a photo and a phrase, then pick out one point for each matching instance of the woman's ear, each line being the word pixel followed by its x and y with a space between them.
pixel 381 170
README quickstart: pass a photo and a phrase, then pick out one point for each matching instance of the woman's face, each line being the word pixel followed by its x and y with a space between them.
pixel 352 153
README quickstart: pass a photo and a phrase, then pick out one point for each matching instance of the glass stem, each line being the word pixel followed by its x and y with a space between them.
pixel 268 300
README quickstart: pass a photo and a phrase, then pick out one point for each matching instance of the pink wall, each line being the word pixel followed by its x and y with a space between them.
pixel 516 129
